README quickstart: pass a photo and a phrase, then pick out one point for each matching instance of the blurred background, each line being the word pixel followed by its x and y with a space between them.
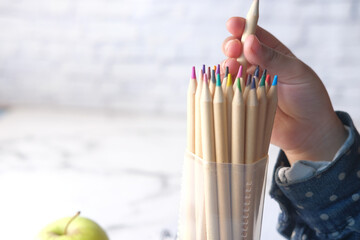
pixel 93 99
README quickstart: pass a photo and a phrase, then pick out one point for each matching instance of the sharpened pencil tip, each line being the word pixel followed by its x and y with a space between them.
pixel 218 69
pixel 264 73
pixel 218 80
pixel 248 81
pixel 274 83
pixel 193 74
pixel 203 68
pixel 227 71
pixel 253 84
pixel 213 78
pixel 229 80
pixel 238 84
pixel 256 73
pixel 239 72
pixel 262 82
pixel 268 79
pixel 205 78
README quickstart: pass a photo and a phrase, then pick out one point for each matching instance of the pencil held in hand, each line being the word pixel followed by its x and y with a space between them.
pixel 250 27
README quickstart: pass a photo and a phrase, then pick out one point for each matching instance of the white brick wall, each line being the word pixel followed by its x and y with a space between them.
pixel 137 55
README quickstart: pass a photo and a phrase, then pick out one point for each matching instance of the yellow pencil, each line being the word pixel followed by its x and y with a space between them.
pixel 229 93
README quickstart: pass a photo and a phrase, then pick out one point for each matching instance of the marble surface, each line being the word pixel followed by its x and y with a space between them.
pixel 121 170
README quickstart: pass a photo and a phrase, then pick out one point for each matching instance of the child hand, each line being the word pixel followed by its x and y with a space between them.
pixel 306 126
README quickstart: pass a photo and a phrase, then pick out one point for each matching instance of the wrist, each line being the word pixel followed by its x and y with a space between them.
pixel 322 144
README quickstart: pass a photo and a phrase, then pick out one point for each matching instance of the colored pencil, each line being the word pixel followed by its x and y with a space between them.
pixel 272 100
pixel 261 94
pixel 247 87
pixel 238 126
pixel 191 112
pixel 239 75
pixel 213 83
pixel 224 81
pixel 237 157
pixel 252 115
pixel 210 181
pixel 221 146
pixel 229 93
pixel 199 193
pixel 189 227
pixel 267 82
pixel 256 75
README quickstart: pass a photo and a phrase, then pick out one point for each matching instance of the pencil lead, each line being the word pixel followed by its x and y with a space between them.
pixel 264 73
pixel 239 72
pixel 238 83
pixel 274 83
pixel 248 81
pixel 229 80
pixel 218 69
pixel 203 68
pixel 268 79
pixel 213 79
pixel 253 84
pixel 209 73
pixel 218 80
pixel 214 68
pixel 262 82
pixel 193 74
pixel 256 73
pixel 227 71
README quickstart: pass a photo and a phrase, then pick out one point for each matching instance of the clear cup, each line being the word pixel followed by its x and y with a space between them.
pixel 221 201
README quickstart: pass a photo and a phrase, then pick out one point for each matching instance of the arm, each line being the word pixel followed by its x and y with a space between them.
pixel 306 128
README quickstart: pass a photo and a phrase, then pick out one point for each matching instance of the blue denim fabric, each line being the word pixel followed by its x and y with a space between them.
pixel 326 205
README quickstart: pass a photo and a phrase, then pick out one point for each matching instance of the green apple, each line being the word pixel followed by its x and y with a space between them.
pixel 73 228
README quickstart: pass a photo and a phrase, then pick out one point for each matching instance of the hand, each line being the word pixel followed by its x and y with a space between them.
pixel 306 126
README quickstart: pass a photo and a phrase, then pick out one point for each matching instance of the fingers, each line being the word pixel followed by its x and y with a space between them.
pixel 232 47
pixel 236 25
pixel 232 64
pixel 275 62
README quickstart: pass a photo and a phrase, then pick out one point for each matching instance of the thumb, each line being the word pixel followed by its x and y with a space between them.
pixel 275 62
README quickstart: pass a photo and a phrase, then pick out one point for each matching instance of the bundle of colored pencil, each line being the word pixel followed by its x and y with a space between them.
pixel 229 130
pixel 229 122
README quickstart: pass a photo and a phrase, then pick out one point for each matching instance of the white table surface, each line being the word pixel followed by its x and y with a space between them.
pixel 121 170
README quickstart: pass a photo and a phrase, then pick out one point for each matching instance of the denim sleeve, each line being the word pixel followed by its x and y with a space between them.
pixel 325 205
